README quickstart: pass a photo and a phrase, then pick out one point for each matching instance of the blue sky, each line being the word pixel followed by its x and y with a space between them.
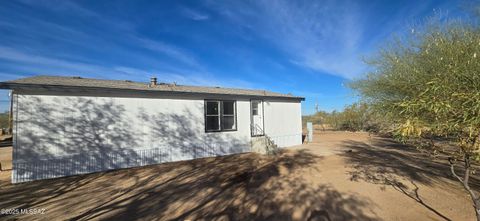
pixel 308 48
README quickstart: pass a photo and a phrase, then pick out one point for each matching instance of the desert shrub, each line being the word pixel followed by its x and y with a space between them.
pixel 354 117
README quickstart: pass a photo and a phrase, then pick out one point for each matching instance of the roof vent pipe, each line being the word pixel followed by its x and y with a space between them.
pixel 153 81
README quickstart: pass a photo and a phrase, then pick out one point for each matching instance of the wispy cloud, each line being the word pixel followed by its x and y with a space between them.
pixel 74 8
pixel 325 36
pixel 39 64
pixel 29 31
pixel 186 77
pixel 172 51
pixel 279 45
pixel 119 36
pixel 11 76
pixel 63 6
pixel 194 14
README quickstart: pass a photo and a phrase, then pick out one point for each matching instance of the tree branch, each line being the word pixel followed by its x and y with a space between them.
pixel 467 169
pixel 452 169
pixel 465 184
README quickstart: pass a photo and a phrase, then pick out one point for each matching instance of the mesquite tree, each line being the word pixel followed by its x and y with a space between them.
pixel 429 84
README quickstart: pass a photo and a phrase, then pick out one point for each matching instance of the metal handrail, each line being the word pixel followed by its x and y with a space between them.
pixel 257 127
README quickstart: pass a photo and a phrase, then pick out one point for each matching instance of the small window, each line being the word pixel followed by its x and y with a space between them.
pixel 255 108
pixel 220 116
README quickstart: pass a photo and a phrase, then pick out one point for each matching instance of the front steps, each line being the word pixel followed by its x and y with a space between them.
pixel 264 145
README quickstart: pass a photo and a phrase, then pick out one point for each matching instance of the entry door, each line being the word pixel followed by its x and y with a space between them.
pixel 256 107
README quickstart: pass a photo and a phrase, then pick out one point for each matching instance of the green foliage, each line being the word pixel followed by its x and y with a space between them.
pixel 430 84
pixel 352 118
pixel 355 117
pixel 317 118
pixel 4 120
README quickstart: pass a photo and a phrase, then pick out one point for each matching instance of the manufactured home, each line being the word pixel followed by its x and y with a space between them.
pixel 72 125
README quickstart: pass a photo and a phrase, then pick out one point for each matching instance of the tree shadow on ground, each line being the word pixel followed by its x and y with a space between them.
pixel 96 134
pixel 387 163
pixel 237 187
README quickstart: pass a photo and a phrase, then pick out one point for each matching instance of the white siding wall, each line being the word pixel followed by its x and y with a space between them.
pixel 283 122
pixel 65 135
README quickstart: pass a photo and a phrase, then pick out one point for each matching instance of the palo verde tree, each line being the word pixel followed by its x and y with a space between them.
pixel 429 84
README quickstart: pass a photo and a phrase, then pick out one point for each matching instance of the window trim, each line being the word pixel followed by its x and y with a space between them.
pixel 221 129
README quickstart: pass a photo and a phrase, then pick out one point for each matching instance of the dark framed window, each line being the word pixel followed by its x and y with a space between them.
pixel 255 108
pixel 220 115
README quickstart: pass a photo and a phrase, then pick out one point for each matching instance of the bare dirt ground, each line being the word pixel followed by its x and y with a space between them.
pixel 339 176
pixel 5 158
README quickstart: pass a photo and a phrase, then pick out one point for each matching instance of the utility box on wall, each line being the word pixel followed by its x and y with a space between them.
pixel 309 132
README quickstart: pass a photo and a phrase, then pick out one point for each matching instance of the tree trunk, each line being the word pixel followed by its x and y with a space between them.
pixel 465 180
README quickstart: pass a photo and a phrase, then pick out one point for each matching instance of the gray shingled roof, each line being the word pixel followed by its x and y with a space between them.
pixel 61 81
